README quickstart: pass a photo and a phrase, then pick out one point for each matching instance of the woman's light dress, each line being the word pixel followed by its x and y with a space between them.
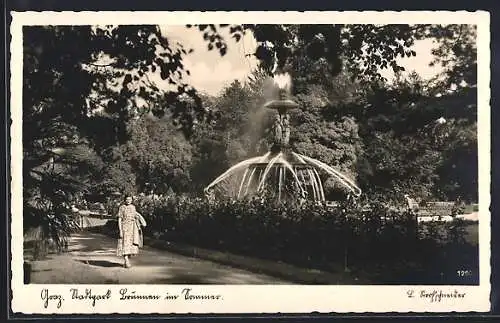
pixel 128 216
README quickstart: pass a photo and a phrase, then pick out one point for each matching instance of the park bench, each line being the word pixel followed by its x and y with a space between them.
pixel 435 212
pixel 436 209
pixel 431 211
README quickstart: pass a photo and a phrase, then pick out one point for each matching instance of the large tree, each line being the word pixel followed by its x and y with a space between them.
pixel 415 142
pixel 80 88
pixel 238 132
pixel 363 48
pixel 160 156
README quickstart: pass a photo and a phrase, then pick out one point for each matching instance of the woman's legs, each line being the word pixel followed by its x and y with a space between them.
pixel 127 262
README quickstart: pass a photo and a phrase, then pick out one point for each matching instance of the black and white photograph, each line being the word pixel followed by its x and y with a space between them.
pixel 305 154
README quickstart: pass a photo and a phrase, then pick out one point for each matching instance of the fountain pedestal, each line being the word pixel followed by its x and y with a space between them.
pixel 281 125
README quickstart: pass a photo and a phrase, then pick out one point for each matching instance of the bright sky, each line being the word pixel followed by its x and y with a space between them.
pixel 210 72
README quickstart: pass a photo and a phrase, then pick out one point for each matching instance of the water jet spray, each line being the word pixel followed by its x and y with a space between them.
pixel 287 175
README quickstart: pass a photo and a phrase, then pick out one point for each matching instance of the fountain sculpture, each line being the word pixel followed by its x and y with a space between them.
pixel 281 173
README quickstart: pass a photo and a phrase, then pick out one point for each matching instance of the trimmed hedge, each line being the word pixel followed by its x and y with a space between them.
pixel 311 235
pixel 385 245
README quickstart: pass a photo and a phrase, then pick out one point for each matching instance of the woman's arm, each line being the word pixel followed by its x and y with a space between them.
pixel 120 227
pixel 141 219
pixel 120 212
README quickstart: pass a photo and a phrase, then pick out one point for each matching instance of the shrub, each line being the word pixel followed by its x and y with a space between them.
pixel 308 233
pixel 382 240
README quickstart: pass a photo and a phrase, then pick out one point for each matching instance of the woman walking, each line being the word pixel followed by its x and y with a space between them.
pixel 129 226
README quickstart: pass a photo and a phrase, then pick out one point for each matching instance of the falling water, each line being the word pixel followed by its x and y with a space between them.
pixel 238 167
pixel 342 178
pixel 266 171
pixel 283 81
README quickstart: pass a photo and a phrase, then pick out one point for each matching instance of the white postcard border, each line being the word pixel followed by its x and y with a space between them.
pixel 252 298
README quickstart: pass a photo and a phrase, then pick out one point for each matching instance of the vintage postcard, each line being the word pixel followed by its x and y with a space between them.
pixel 250 162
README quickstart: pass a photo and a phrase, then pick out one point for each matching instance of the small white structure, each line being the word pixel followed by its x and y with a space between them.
pixel 436 218
pixel 474 216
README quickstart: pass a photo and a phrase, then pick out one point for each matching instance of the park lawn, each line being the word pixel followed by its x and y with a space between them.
pixel 472 235
pixel 442 268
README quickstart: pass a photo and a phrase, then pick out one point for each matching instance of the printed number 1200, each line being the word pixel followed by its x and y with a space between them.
pixel 464 273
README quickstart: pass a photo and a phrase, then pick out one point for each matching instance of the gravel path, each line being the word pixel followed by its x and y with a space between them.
pixel 91 260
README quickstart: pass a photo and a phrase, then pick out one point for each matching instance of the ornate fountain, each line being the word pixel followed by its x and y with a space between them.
pixel 282 174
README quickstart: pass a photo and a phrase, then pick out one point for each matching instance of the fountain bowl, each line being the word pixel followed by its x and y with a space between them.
pixel 281 105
